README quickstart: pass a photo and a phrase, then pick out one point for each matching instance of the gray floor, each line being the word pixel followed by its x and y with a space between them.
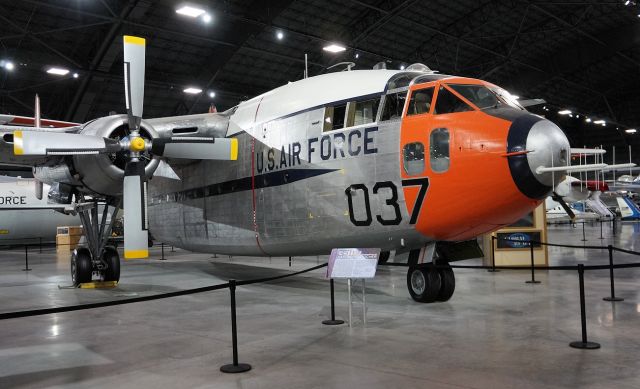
pixel 496 332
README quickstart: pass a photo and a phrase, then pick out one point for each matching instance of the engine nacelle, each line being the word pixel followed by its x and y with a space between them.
pixel 103 174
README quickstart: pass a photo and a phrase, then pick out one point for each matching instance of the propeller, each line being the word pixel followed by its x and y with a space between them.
pixel 556 197
pixel 39 143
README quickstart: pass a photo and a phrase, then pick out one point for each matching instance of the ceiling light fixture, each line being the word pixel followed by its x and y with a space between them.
pixel 76 75
pixel 9 66
pixel 334 48
pixel 630 130
pixel 190 11
pixel 279 35
pixel 599 122
pixel 565 112
pixel 212 94
pixel 192 91
pixel 588 120
pixel 206 18
pixel 401 67
pixel 58 71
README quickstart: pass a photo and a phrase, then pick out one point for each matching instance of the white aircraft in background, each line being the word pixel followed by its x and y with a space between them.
pixel 28 217
pixel 556 213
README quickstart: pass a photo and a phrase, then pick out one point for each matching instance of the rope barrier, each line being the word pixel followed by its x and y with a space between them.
pixel 47 311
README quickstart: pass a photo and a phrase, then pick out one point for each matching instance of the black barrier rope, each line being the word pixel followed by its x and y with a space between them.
pixel 559 267
pixel 46 311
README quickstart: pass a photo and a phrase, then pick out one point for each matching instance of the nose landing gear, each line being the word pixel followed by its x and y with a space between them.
pixel 428 283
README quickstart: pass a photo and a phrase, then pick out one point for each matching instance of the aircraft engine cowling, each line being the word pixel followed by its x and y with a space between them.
pixel 103 174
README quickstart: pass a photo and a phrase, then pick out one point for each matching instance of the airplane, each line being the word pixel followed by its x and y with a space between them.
pixel 628 209
pixel 360 158
pixel 557 214
pixel 25 218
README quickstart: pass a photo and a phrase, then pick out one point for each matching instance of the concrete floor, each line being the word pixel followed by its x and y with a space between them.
pixel 496 332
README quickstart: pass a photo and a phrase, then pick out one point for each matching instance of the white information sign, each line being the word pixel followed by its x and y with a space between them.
pixel 353 263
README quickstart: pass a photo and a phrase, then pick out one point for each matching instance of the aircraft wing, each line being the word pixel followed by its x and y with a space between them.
pixel 631 187
pixel 67 208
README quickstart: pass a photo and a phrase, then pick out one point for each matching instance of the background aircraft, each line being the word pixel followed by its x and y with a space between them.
pixel 25 218
pixel 369 158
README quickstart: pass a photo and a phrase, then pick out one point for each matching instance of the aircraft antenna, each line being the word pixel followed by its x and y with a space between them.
pixel 614 162
pixel 630 160
pixel 306 66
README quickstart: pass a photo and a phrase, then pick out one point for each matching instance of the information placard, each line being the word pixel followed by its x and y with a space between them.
pixel 353 263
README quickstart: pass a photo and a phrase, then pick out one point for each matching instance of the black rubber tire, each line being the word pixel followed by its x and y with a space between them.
pixel 426 276
pixel 112 272
pixel 81 266
pixel 384 257
pixel 447 283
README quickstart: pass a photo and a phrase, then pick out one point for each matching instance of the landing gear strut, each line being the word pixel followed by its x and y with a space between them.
pixel 426 282
pixel 97 258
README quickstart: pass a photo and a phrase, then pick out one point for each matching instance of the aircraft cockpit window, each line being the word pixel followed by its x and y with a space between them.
pixel 479 95
pixel 447 102
pixel 413 158
pixel 420 101
pixel 393 105
pixel 334 117
pixel 363 112
pixel 439 150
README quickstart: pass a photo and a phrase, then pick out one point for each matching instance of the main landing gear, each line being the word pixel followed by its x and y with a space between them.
pixel 97 258
pixel 428 283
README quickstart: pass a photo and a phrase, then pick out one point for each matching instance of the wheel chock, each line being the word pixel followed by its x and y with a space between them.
pixel 98 284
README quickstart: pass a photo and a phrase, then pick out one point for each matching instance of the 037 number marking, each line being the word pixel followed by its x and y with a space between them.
pixel 389 189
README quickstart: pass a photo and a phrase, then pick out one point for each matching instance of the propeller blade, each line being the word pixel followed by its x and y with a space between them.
pixel 136 234
pixel 55 143
pixel 225 149
pixel 556 197
pixel 134 57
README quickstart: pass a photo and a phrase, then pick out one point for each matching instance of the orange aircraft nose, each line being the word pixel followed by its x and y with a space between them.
pixel 535 142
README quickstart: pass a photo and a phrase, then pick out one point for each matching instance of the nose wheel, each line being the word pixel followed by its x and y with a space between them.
pixel 427 283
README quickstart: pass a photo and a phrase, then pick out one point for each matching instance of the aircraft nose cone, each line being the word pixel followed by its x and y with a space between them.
pixel 545 145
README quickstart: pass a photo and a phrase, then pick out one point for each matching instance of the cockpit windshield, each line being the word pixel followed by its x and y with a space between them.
pixel 484 97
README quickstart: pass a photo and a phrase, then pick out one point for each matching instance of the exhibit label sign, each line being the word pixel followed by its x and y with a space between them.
pixel 353 263
pixel 517 239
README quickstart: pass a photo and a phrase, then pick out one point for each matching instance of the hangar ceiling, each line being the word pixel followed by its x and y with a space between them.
pixel 583 56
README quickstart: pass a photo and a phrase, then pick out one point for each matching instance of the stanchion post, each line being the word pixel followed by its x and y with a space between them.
pixel 40 245
pixel 533 271
pixel 162 251
pixel 584 237
pixel 26 259
pixel 289 261
pixel 493 255
pixel 235 367
pixel 601 236
pixel 613 221
pixel 584 343
pixel 613 288
pixel 332 321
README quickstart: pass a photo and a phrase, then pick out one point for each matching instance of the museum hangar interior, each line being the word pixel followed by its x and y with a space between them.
pixel 366 193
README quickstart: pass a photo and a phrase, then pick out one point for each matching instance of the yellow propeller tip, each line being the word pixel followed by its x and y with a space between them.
pixel 134 40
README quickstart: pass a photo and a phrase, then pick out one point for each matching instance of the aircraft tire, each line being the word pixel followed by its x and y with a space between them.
pixel 112 272
pixel 423 283
pixel 384 257
pixel 81 266
pixel 448 283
